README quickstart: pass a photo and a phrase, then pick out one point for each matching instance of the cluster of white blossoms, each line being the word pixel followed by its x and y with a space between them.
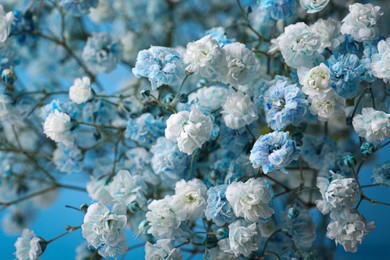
pixel 28 246
pixel 330 34
pixel 371 124
pixel 361 22
pixel 324 102
pixel 81 90
pixel 162 249
pixel 381 61
pixel 189 129
pixel 57 127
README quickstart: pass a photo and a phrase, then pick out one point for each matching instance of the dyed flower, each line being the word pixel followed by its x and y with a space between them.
pixel 57 127
pixel 68 160
pixel 329 32
pixel 97 190
pixel 218 208
pixel 348 228
pixel 189 129
pixel 380 61
pixel 104 229
pixel 102 52
pixel 373 125
pixel 300 46
pixel 302 229
pixel 81 90
pixel 381 174
pixel 219 34
pixel 284 104
pixel 274 151
pixel 251 199
pixel 316 81
pixel 328 106
pixel 361 22
pixel 346 73
pixel 313 6
pixel 210 98
pixel 126 188
pixel 203 57
pixel 238 110
pixel 337 192
pixel 29 246
pixel 243 238
pixel 161 66
pixel 162 249
pixel 5 24
pixel 78 7
pixel 278 9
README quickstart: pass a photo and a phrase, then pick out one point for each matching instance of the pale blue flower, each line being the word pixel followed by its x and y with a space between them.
pixel 284 104
pixel 346 73
pixel 161 65
pixel 313 6
pixel 219 34
pixel 102 52
pixel 381 173
pixel 274 151
pixel 218 208
pixel 145 129
pixel 314 148
pixel 380 65
pixel 278 9
pixel 162 249
pixel 78 7
pixel 302 229
pixel 68 160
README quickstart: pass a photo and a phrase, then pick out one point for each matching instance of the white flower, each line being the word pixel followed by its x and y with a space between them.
pixel 250 199
pixel 299 46
pixel 243 238
pixel 28 246
pixel 381 61
pixel 97 190
pixel 336 193
pixel 162 249
pixel 203 57
pixel 189 200
pixel 163 221
pixel 57 127
pixel 242 65
pixel 328 106
pixel 373 125
pixel 104 229
pixel 189 129
pixel 81 90
pixel 313 6
pixel 5 24
pixel 238 110
pixel 316 81
pixel 348 228
pixel 217 254
pixel 210 98
pixel 329 32
pixel 126 188
pixel 361 22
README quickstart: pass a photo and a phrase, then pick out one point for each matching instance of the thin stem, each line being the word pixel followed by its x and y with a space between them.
pixel 178 91
pixel 70 230
pixel 268 240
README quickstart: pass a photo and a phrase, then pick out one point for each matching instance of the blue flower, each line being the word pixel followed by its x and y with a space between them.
pixel 145 129
pixel 218 208
pixel 278 9
pixel 284 104
pixel 219 34
pixel 381 173
pixel 68 160
pixel 161 66
pixel 102 52
pixel 314 148
pixel 274 151
pixel 346 73
pixel 78 7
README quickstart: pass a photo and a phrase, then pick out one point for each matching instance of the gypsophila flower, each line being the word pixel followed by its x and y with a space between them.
pixel 243 238
pixel 302 229
pixel 219 34
pixel 251 199
pixel 300 46
pixel 57 127
pixel 97 190
pixel 348 228
pixel 337 192
pixel 373 125
pixel 238 110
pixel 241 65
pixel 189 129
pixel 81 90
pixel 380 61
pixel 218 208
pixel 313 6
pixel 284 104
pixel 361 22
pixel 328 106
pixel 316 81
pixel 209 98
pixel 145 129
pixel 104 229
pixel 189 200
pixel 278 9
pixel 5 24
pixel 329 32
pixel 381 174
pixel 29 246
pixel 126 188
pixel 162 249
pixel 68 160
pixel 78 7
pixel 274 151
pixel 216 253
pixel 102 52
pixel 203 56
pixel 161 66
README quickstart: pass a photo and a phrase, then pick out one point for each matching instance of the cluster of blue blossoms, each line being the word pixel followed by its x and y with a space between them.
pixel 237 129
